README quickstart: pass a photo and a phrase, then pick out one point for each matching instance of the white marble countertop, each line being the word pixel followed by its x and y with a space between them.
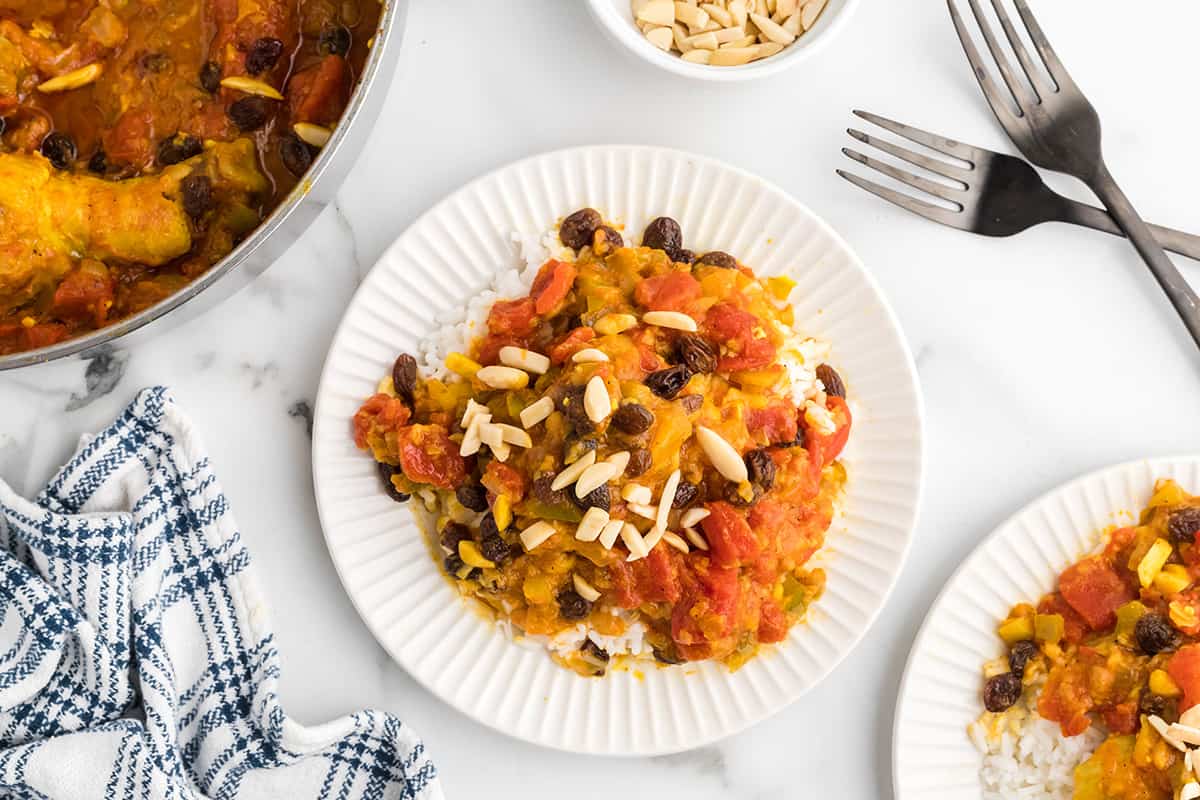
pixel 1041 357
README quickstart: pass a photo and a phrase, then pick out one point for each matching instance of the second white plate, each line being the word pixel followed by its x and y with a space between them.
pixel 451 254
pixel 932 757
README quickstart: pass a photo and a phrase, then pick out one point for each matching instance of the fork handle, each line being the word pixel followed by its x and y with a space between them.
pixel 1186 303
pixel 1076 213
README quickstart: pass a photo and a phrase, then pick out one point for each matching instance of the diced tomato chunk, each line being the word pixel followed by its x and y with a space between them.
pixel 380 413
pixel 501 479
pixel 1065 699
pixel 772 623
pixel 429 455
pixel 320 93
pixel 1095 590
pixel 43 334
pixel 551 286
pixel 707 612
pixel 730 538
pixel 653 579
pixel 512 318
pixel 1121 718
pixel 777 422
pixel 825 448
pixel 86 293
pixel 131 140
pixel 570 344
pixel 1184 669
pixel 736 329
pixel 674 291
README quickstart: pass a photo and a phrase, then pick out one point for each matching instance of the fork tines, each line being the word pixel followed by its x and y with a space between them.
pixel 951 194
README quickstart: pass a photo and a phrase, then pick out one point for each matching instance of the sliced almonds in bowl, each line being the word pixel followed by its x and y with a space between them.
pixel 725 33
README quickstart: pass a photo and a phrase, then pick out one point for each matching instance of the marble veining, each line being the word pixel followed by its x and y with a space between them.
pixel 1041 357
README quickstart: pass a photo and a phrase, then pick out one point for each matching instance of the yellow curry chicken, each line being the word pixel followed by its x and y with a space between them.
pixel 643 440
pixel 140 141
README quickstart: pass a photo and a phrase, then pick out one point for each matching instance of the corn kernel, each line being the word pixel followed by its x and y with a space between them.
pixel 1161 683
pixel 502 512
pixel 461 365
pixel 468 551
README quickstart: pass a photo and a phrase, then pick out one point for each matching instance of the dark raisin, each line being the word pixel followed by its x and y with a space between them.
pixel 452 534
pixel 1150 703
pixel 386 471
pixel 696 353
pixel 487 526
pixel 572 606
pixel 831 380
pixel 639 462
pixel 691 402
pixel 543 492
pixel 612 237
pixel 593 650
pixel 178 147
pixel 716 258
pixel 3 124
pixel 472 496
pixel 1184 524
pixel 334 40
pixel 575 449
pixel 1001 692
pixel 663 234
pixel 684 256
pixel 155 62
pixel 596 498
pixel 496 550
pixel 1154 634
pixel 250 113
pixel 296 154
pixel 633 418
pixel 733 496
pixel 573 409
pixel 1019 656
pixel 210 77
pixel 667 655
pixel 685 494
pixel 404 376
pixel 197 194
pixel 59 150
pixel 760 468
pixel 453 564
pixel 263 55
pixel 666 383
pixel 98 163
pixel 578 229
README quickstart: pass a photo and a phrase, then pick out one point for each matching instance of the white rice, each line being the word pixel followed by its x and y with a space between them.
pixel 1026 756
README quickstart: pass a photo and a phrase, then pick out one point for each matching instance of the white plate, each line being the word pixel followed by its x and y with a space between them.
pixel 932 758
pixel 448 256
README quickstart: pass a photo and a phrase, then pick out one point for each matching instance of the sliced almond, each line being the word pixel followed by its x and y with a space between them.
pixel 738 10
pixel 726 35
pixel 666 499
pixel 503 377
pixel 316 135
pixel 748 41
pixel 674 540
pixel 1191 717
pixel 594 477
pixel 592 524
pixel 634 541
pixel 572 472
pixel 589 355
pixel 251 86
pixel 535 534
pixel 511 434
pixel 733 57
pixel 596 402
pixel 473 410
pixel 615 323
pixel 470 443
pixel 703 41
pixel 660 38
pixel 608 536
pixel 537 411
pixel 696 538
pixel 1189 791
pixel 691 518
pixel 690 15
pixel 1185 733
pixel 654 537
pixel 697 56
pixel 772 30
pixel 785 8
pixel 527 360
pixel 721 454
pixel 671 319
pixel 74 79
pixel 721 15
pixel 636 493
pixel 643 510
pixel 768 49
pixel 680 36
pixel 657 12
pixel 585 589
pixel 793 24
pixel 808 15
pixel 1164 730
pixel 619 460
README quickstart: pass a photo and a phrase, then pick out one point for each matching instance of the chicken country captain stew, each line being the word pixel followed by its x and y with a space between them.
pixel 1098 697
pixel 635 459
pixel 140 141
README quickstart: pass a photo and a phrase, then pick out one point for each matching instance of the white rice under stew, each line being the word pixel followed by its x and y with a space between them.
pixel 1026 756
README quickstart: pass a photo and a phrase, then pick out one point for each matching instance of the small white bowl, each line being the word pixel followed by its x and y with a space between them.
pixel 616 17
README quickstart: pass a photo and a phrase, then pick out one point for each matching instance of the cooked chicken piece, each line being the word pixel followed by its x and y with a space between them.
pixel 49 219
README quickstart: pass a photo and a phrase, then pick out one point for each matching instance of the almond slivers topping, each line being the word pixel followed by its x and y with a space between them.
pixel 670 319
pixel 535 412
pixel 592 524
pixel 535 534
pixel 572 472
pixel 503 377
pixel 725 32
pixel 520 358
pixel 722 455
pixel 585 589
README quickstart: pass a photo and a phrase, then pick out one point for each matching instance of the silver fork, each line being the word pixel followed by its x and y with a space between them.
pixel 1056 127
pixel 994 195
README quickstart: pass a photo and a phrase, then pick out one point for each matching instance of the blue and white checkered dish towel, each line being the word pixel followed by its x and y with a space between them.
pixel 135 656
